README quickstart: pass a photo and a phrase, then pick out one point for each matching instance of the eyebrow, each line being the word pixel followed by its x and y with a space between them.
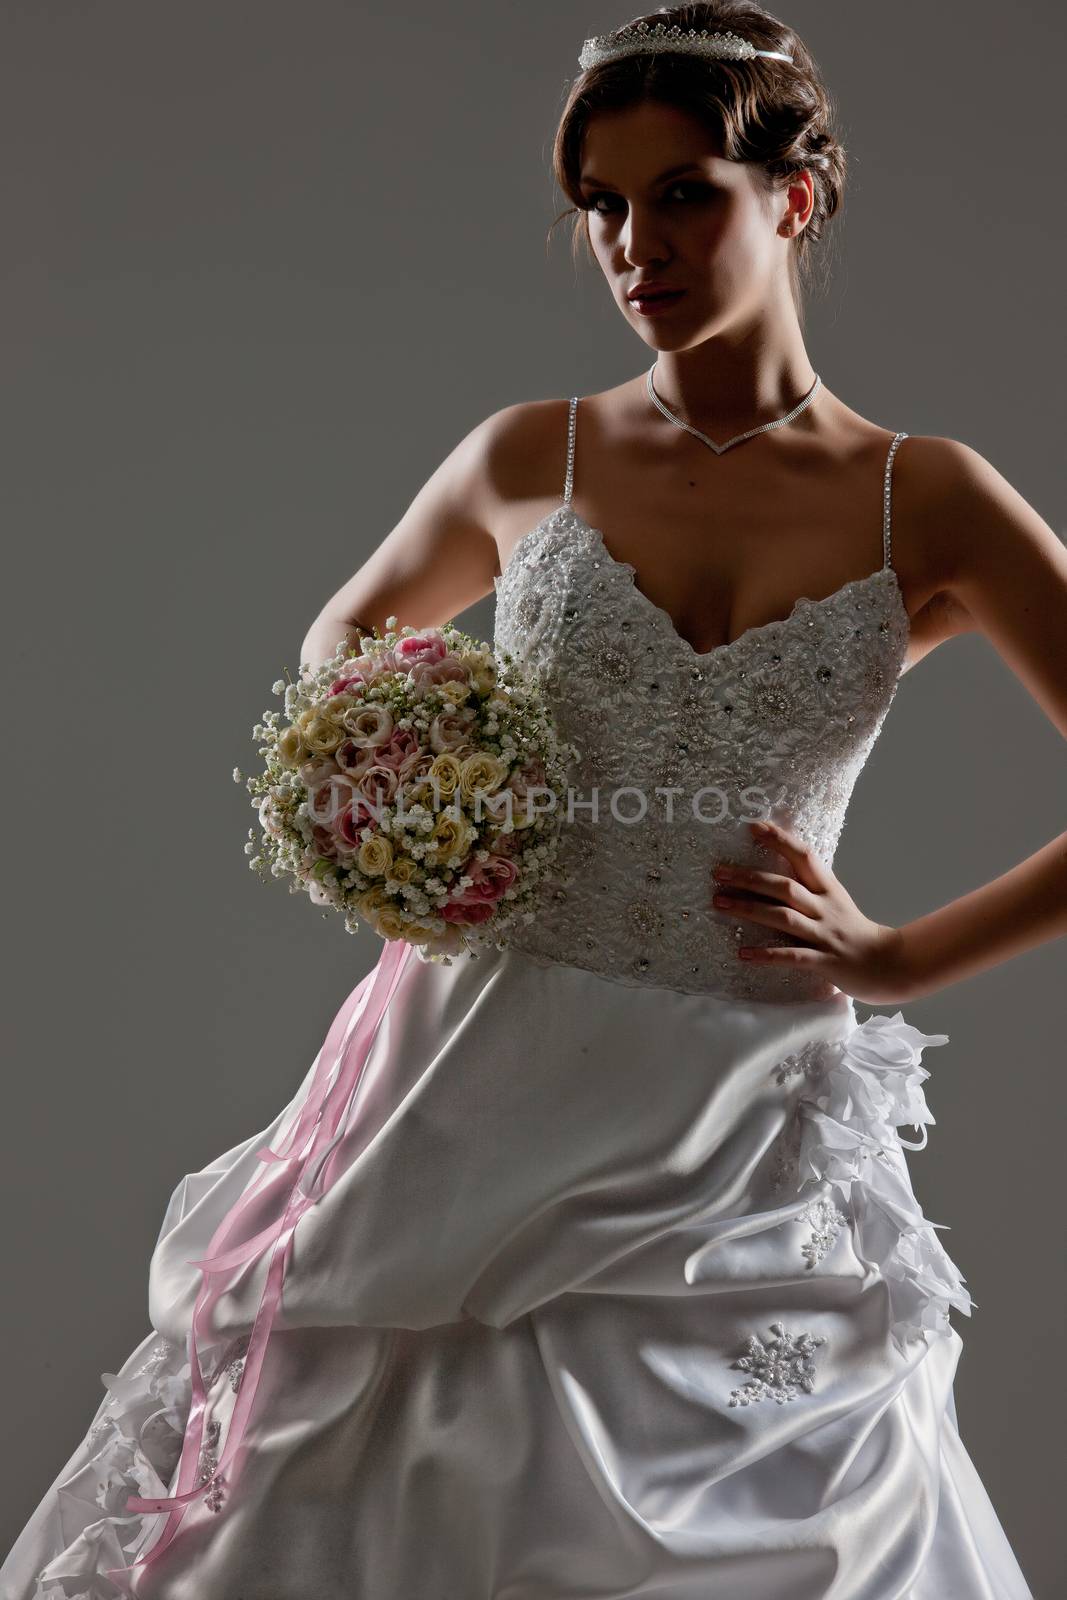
pixel 671 172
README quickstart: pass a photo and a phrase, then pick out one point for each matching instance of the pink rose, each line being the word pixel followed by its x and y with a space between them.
pixel 353 759
pixel 378 785
pixel 448 730
pixel 353 819
pixel 402 749
pixel 415 648
pixel 490 877
pixel 457 911
pixel 328 799
pixel 316 770
pixel 325 840
pixel 426 674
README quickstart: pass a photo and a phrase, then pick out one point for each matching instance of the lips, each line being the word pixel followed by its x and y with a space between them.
pixel 655 300
pixel 652 291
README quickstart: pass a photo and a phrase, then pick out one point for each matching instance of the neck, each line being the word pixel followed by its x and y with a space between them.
pixel 732 382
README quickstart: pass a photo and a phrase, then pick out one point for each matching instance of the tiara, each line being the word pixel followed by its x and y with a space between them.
pixel 639 38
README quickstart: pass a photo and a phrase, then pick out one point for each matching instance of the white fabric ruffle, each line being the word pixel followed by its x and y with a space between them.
pixel 132 1447
pixel 857 1092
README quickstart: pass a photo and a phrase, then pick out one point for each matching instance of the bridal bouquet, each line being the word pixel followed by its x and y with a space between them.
pixel 413 783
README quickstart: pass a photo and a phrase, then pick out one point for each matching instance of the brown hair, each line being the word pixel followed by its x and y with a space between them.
pixel 775 114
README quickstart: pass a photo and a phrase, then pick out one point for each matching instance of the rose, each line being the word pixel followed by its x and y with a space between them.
pixel 490 879
pixel 334 709
pixel 442 674
pixel 321 734
pixel 291 748
pixel 389 923
pixel 481 669
pixel 328 799
pixel 467 915
pixel 372 902
pixel 354 759
pixel 450 835
pixel 449 729
pixel 446 769
pixel 457 692
pixel 353 819
pixel 325 839
pixel 375 856
pixel 401 751
pixel 416 648
pixel 402 869
pixel 481 771
pixel 317 770
pixel 377 785
pixel 370 725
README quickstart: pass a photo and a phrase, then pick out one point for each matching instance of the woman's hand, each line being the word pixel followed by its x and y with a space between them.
pixel 839 943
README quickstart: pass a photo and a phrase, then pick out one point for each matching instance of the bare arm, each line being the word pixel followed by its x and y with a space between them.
pixel 988 563
pixel 439 558
pixel 1007 575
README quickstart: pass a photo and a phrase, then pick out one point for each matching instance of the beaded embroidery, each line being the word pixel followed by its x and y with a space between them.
pixel 790 710
pixel 781 1367
pixel 207 1462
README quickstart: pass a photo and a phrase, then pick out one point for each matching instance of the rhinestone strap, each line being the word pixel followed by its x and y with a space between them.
pixel 886 496
pixel 568 484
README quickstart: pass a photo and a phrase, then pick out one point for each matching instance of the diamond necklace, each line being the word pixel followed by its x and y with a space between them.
pixel 779 422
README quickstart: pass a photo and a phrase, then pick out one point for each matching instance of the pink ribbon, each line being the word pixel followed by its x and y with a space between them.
pixel 298 1177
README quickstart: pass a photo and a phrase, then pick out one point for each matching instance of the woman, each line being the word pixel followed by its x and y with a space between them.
pixel 620 1286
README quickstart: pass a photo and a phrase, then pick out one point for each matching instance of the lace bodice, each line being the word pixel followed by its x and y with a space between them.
pixel 780 721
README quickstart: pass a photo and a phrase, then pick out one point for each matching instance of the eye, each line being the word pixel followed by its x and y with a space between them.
pixel 698 190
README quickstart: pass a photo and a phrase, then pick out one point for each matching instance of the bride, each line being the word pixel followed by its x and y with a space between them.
pixel 619 1285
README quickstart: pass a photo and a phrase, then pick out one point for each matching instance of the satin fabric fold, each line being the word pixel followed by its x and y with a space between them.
pixel 504 1358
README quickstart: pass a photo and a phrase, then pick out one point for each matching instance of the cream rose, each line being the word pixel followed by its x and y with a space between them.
pixel 291 748
pixel 390 924
pixel 375 856
pixel 481 771
pixel 321 734
pixel 371 902
pixel 446 769
pixel 450 836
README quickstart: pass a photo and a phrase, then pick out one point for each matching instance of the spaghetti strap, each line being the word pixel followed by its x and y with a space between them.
pixel 568 486
pixel 887 498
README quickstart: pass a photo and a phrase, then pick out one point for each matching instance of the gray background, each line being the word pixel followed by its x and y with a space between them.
pixel 263 266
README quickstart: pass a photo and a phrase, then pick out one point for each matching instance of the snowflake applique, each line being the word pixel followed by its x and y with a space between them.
pixel 826 1221
pixel 780 1368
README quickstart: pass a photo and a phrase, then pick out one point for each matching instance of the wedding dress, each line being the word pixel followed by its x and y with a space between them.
pixel 618 1286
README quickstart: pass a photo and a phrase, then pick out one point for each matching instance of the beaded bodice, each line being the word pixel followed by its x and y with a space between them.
pixel 679 749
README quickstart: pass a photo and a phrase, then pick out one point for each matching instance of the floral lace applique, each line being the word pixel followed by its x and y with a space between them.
pixel 826 1221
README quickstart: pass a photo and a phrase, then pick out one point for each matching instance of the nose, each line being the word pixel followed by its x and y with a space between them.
pixel 640 240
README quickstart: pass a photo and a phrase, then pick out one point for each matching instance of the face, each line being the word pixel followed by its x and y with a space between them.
pixel 664 203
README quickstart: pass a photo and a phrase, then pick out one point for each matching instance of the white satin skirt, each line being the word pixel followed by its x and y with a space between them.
pixel 614 1291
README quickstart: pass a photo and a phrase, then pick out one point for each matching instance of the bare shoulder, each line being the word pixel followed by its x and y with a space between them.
pixel 956 517
pixel 982 560
pixel 967 511
pixel 522 449
pixel 444 551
